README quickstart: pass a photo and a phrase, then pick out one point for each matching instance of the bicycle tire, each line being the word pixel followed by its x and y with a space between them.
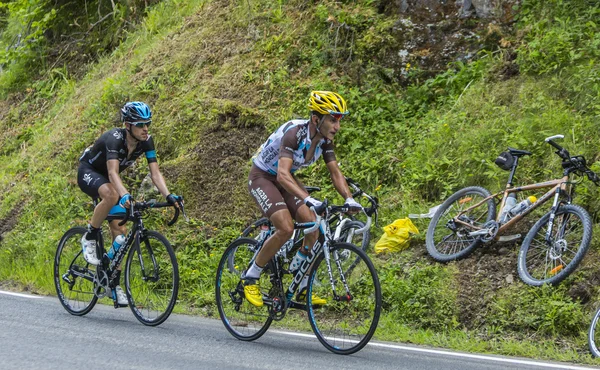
pixel 75 269
pixel 357 314
pixel 355 225
pixel 469 243
pixel 525 266
pixel 251 322
pixel 149 271
pixel 592 334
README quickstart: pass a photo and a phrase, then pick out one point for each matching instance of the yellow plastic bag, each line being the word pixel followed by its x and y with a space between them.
pixel 396 236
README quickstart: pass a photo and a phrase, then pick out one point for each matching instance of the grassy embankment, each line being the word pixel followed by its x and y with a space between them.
pixel 220 76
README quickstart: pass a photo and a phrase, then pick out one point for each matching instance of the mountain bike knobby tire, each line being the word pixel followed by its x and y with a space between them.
pixel 528 248
pixel 462 245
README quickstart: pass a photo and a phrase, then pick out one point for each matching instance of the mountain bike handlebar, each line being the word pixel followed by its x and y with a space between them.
pixel 577 163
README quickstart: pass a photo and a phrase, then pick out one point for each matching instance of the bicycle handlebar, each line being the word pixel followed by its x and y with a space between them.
pixel 576 162
pixel 141 206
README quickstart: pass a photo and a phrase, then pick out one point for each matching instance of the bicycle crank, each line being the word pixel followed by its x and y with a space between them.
pixel 488 232
pixel 101 283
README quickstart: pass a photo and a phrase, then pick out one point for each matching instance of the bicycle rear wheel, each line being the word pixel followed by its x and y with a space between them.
pixel 594 335
pixel 242 319
pixel 73 276
pixel 448 240
pixel 152 279
pixel 349 319
pixel 541 263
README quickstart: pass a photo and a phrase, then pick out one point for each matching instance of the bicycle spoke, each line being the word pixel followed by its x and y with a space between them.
pixel 243 320
pixel 152 279
pixel 73 276
pixel 348 319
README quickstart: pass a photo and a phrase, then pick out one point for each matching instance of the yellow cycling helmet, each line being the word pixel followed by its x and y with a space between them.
pixel 327 102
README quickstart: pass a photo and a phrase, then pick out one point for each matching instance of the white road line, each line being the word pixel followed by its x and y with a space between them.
pixel 20 295
pixel 459 354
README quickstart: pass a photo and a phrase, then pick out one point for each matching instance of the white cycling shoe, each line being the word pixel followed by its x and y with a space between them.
pixel 121 296
pixel 89 251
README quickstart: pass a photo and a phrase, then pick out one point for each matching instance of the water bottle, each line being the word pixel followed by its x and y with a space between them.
pixel 119 240
pixel 523 205
pixel 511 201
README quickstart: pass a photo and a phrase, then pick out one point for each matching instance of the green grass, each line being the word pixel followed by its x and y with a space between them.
pixel 219 77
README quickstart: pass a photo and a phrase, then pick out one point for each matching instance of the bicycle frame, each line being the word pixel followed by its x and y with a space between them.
pixel 558 186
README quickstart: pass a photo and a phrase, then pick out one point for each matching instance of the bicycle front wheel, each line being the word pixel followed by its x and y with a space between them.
pixel 594 335
pixel 346 323
pixel 152 279
pixel 550 262
pixel 448 240
pixel 242 319
pixel 73 276
pixel 348 235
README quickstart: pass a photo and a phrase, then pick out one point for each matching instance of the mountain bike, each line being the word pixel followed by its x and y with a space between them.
pixel 342 273
pixel 553 247
pixel 151 270
pixel 345 227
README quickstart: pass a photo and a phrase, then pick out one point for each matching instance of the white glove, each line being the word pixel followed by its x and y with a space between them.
pixel 352 204
pixel 312 202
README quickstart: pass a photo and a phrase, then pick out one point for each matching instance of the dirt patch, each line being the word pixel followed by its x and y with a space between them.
pixel 9 222
pixel 481 275
pixel 216 171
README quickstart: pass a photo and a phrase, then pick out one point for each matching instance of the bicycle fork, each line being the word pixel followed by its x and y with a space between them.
pixel 342 298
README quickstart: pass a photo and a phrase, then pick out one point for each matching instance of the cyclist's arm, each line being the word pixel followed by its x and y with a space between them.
pixel 287 180
pixel 158 179
pixel 113 176
pixel 339 182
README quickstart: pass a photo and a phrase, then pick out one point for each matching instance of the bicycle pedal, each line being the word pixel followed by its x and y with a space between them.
pixel 509 238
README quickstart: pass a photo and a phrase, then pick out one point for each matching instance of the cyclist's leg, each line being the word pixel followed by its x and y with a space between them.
pixel 266 193
pixel 95 185
pixel 304 214
pixel 109 195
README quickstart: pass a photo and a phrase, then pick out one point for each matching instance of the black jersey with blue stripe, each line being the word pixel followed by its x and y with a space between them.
pixel 113 145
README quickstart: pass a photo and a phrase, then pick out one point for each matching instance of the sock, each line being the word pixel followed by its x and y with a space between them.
pixel 254 271
pixel 92 233
pixel 299 258
pixel 303 283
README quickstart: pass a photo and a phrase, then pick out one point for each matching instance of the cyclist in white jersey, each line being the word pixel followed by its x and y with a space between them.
pixel 280 196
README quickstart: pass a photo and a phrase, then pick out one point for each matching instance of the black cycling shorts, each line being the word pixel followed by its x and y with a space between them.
pixel 90 180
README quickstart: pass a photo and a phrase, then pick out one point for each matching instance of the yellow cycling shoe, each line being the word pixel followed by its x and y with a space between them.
pixel 316 300
pixel 252 292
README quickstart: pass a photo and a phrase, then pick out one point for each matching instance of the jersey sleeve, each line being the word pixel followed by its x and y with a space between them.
pixel 148 148
pixel 328 151
pixel 114 144
pixel 289 144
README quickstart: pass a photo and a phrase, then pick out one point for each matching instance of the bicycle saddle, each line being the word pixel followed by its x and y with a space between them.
pixel 518 152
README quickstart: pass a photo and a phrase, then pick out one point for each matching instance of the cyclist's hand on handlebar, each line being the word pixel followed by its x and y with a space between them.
pixel 312 202
pixel 125 201
pixel 352 205
pixel 174 200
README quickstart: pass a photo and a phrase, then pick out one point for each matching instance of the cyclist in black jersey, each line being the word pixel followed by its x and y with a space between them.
pixel 98 175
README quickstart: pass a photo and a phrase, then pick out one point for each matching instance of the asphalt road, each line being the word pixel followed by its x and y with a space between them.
pixel 37 333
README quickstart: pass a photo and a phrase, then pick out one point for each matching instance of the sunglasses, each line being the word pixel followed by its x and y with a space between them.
pixel 141 124
pixel 337 116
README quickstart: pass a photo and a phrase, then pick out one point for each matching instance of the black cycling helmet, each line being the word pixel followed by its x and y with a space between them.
pixel 136 112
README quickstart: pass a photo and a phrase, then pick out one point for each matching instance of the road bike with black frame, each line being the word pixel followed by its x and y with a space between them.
pixel 553 247
pixel 151 270
pixel 345 226
pixel 341 273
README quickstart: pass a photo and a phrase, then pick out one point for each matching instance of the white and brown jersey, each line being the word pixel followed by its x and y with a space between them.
pixel 292 140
